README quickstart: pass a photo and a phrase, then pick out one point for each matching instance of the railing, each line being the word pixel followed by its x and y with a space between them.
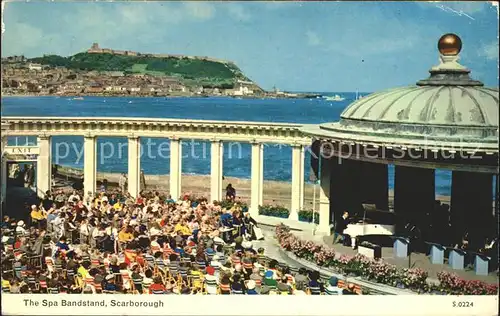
pixel 157 127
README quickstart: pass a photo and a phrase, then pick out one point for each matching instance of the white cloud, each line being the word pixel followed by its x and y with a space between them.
pixel 237 11
pixel 489 51
pixel 27 37
pixel 200 10
pixel 313 39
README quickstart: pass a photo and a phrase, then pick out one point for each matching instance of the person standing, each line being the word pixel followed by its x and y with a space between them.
pixel 143 180
pixel 29 176
pixel 230 192
pixel 123 182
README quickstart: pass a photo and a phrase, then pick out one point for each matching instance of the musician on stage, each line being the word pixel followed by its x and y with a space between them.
pixel 340 226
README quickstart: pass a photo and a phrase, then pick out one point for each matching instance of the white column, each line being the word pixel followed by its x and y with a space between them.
pixel 324 197
pixel 4 163
pixel 89 165
pixel 261 175
pixel 4 179
pixel 175 168
pixel 297 181
pixel 216 153
pixel 44 166
pixel 134 165
pixel 256 181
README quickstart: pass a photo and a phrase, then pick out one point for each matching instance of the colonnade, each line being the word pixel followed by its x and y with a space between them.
pixel 44 170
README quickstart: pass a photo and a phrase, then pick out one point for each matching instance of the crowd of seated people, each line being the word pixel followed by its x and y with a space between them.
pixel 147 245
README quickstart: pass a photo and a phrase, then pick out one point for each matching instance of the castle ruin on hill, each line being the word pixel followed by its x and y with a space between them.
pixel 95 49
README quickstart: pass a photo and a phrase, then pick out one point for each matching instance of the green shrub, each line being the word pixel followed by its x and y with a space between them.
pixel 274 210
pixel 307 216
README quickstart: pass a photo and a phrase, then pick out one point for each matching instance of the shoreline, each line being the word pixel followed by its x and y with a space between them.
pixel 103 95
pixel 274 192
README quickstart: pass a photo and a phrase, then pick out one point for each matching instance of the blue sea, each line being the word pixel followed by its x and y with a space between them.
pixel 112 157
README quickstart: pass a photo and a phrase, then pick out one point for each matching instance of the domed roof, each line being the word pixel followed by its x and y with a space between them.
pixel 448 108
pixel 428 105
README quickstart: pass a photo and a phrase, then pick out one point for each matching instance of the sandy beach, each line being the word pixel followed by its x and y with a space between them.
pixel 275 192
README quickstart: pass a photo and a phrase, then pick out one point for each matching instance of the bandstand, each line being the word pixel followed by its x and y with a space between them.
pixel 448 121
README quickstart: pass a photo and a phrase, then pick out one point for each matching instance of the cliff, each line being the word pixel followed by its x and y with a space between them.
pixel 202 71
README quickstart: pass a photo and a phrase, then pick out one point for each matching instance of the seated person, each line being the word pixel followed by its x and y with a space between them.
pixel 110 284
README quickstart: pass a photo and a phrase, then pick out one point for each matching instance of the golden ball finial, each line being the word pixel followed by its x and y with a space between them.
pixel 450 44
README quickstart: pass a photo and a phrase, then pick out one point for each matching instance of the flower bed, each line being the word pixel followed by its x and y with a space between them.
pixel 378 270
pixel 282 212
pixel 307 216
pixel 272 210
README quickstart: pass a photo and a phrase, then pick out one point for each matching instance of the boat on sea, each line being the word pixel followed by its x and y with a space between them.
pixel 78 98
pixel 334 98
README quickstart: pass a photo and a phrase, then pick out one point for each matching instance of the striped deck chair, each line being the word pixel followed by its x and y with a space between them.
pixel 236 260
pixel 118 279
pixel 225 288
pixel 237 292
pixel 5 286
pixel 150 260
pixel 185 260
pixel 126 281
pixel 43 285
pixel 24 274
pixel 201 264
pixel 31 281
pixel 70 274
pixel 145 288
pixel 35 261
pixel 86 257
pixel 262 270
pixel 216 268
pixel 247 265
pixel 58 266
pixel 17 271
pixel 95 263
pixel 212 284
pixel 341 284
pixel 357 289
pixel 160 264
pixel 53 290
pixel 262 259
pixel 328 292
pixel 157 292
pixel 314 290
pixel 89 280
pixel 183 274
pixel 137 283
pixel 97 286
pixel 173 269
pixel 194 280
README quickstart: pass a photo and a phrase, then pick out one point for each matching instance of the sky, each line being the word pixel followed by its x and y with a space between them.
pixel 295 46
